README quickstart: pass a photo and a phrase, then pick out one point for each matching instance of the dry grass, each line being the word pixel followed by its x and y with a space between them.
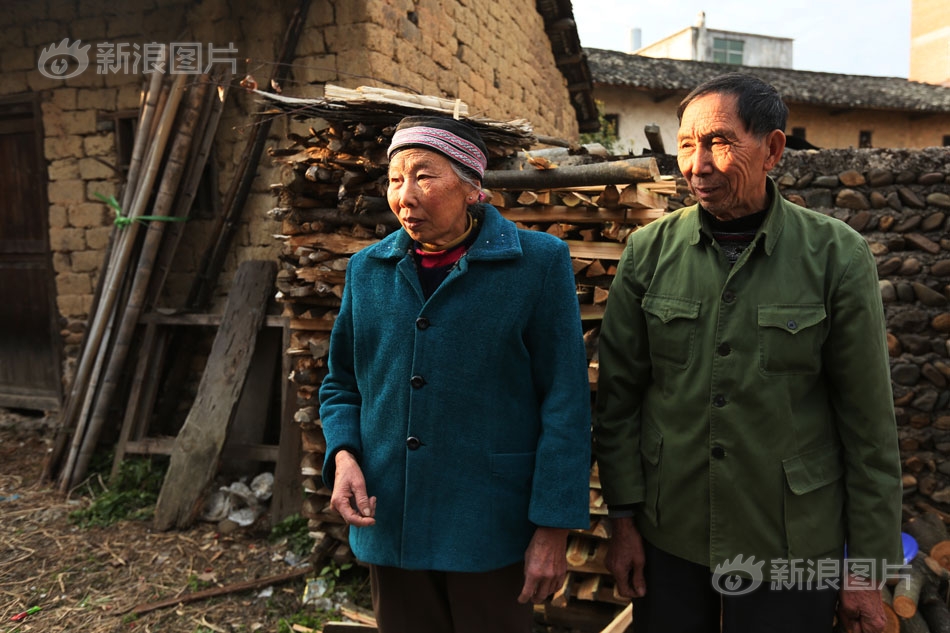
pixel 91 580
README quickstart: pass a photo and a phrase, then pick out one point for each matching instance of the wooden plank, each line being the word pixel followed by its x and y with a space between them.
pixel 287 484
pixel 251 415
pixel 590 312
pixel 550 213
pixel 198 445
pixel 622 622
pixel 595 250
pixel 201 320
pixel 166 446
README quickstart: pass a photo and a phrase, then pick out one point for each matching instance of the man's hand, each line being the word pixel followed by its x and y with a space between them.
pixel 861 611
pixel 349 496
pixel 545 564
pixel 625 558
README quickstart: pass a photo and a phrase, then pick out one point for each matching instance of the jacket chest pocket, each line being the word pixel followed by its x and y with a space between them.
pixel 671 325
pixel 790 338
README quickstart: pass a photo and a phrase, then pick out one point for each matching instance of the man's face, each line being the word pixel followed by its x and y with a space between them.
pixel 724 165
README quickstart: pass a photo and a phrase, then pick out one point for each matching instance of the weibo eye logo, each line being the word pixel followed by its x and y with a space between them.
pixel 54 61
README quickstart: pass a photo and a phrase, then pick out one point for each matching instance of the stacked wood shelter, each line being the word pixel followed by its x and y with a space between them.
pixel 331 203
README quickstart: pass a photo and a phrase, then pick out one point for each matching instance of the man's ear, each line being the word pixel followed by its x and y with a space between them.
pixel 775 142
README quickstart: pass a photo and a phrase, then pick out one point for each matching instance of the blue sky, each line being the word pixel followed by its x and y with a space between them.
pixel 867 38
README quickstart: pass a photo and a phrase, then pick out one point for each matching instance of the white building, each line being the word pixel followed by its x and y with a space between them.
pixel 700 44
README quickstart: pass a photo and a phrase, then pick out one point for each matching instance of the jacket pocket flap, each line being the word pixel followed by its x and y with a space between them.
pixel 667 308
pixel 650 444
pixel 813 469
pixel 791 318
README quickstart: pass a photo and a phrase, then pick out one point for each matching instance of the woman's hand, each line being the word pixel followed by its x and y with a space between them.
pixel 545 564
pixel 349 496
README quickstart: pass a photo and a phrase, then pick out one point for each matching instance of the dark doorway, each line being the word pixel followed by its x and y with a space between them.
pixel 29 339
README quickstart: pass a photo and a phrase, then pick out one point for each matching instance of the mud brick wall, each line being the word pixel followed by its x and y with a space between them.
pixel 494 56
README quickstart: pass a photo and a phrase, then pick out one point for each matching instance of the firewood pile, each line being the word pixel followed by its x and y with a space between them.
pixel 331 203
pixel 918 602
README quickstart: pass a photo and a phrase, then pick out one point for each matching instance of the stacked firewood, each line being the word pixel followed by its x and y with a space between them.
pixel 917 603
pixel 331 204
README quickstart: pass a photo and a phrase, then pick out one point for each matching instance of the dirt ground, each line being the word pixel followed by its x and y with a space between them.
pixel 90 580
pixel 56 576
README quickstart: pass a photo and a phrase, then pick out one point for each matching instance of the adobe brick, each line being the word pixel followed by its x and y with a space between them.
pixel 88 215
pixel 65 240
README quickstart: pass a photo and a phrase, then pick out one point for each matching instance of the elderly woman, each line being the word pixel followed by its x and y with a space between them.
pixel 457 407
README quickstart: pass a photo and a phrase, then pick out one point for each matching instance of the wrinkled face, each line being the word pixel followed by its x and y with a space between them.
pixel 724 165
pixel 428 197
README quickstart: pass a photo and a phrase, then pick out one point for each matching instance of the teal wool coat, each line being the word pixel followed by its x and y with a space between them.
pixel 469 412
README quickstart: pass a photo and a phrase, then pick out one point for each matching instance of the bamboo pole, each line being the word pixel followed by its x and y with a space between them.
pixel 164 200
pixel 139 200
pixel 91 344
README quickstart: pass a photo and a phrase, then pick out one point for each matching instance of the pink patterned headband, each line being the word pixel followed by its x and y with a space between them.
pixel 443 141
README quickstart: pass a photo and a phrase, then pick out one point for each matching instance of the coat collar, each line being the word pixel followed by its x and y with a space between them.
pixel 498 239
pixel 769 231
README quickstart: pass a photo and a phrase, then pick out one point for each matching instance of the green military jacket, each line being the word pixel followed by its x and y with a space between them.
pixel 748 409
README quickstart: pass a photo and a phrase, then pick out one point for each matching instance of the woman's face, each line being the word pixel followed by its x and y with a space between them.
pixel 428 197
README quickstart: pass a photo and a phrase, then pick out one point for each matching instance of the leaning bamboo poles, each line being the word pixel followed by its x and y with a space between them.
pixel 92 351
pixel 172 176
pixel 100 331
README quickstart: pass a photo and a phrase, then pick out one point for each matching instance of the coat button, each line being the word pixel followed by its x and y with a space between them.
pixel 791 325
pixel 718 452
pixel 724 349
pixel 417 382
pixel 413 443
pixel 728 296
pixel 719 400
pixel 422 323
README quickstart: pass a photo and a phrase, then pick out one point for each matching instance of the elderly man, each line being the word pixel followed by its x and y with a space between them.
pixel 744 426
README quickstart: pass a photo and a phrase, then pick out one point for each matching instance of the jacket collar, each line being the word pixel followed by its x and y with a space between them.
pixel 497 239
pixel 769 231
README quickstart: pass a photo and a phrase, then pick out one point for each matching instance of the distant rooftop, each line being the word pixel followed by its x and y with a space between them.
pixel 615 68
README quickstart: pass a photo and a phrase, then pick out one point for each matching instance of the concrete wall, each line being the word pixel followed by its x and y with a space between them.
pixel 696 44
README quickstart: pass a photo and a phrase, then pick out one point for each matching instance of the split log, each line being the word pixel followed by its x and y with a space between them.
pixel 934 610
pixel 907 590
pixel 622 622
pixel 610 173
pixel 915 624
pixel 928 529
pixel 940 552
pixel 892 623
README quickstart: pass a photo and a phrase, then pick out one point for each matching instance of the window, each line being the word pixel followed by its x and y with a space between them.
pixel 864 138
pixel 946 140
pixel 727 51
pixel 613 124
pixel 798 132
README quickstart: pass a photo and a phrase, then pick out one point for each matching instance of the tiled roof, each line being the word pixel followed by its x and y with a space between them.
pixel 614 68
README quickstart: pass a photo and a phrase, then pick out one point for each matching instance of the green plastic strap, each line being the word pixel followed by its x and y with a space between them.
pixel 122 221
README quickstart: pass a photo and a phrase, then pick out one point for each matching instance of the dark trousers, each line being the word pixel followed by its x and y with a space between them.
pixel 681 599
pixel 414 601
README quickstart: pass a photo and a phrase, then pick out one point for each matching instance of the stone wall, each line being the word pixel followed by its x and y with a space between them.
pixel 899 200
pixel 494 56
